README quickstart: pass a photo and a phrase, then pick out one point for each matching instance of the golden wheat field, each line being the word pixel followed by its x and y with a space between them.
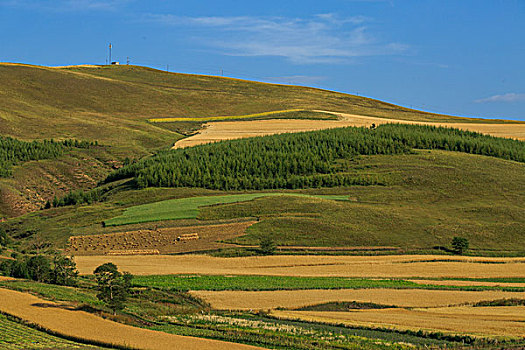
pixel 227 130
pixel 291 299
pixel 403 266
pixel 63 320
pixel 500 323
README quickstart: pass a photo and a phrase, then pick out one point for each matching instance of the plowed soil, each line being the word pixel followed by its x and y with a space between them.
pixel 291 299
pixel 403 266
pixel 80 324
pixel 162 240
pixel 219 131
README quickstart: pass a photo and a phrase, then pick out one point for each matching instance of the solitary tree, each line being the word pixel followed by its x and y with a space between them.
pixel 113 286
pixel 267 246
pixel 460 244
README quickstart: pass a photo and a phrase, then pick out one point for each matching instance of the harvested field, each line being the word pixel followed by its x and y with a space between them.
pixel 389 266
pixel 494 322
pixel 291 299
pixel 159 241
pixel 220 131
pixel 83 325
pixel 468 283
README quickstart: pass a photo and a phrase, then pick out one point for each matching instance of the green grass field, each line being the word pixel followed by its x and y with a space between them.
pixel 16 336
pixel 188 208
pixel 255 283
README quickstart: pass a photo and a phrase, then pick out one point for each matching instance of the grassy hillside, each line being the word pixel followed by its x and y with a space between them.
pixel 432 197
pixel 112 105
pixel 426 198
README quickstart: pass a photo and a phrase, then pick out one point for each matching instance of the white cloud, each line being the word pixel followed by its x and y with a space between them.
pixel 325 38
pixel 509 97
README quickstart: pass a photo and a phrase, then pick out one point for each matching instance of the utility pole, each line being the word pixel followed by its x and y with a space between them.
pixel 127 60
pixel 110 46
pixel 222 72
pixel 167 68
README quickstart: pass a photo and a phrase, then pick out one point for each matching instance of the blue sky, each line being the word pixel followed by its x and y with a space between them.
pixel 458 57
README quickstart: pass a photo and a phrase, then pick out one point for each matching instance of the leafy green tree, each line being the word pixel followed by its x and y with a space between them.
pixel 267 246
pixel 39 268
pixel 113 286
pixel 460 244
pixel 64 271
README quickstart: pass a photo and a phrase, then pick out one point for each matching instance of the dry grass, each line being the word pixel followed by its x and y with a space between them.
pixel 229 117
pixel 162 240
pixel 291 299
pixel 219 131
pixel 495 322
pixel 82 325
pixel 403 266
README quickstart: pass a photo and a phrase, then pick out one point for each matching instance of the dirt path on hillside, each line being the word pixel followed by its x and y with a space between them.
pixel 220 131
pixel 83 325
pixel 389 266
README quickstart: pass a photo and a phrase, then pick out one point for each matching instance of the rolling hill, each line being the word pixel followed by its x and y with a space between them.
pixel 422 199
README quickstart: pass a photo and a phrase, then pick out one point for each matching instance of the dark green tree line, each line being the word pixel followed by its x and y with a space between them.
pixel 302 160
pixel 13 151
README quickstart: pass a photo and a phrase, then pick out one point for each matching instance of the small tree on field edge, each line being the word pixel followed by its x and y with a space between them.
pixel 113 286
pixel 267 246
pixel 460 244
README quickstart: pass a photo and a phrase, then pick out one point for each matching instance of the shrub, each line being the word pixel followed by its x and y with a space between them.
pixel 267 246
pixel 460 244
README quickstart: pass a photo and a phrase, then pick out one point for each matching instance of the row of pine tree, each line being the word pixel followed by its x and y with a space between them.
pixel 302 160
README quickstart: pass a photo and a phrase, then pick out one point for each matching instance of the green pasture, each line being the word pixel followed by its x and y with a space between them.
pixel 188 208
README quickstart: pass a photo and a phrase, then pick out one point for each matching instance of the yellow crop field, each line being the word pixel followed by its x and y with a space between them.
pixel 83 325
pixel 291 299
pixel 249 128
pixel 390 266
pixel 496 322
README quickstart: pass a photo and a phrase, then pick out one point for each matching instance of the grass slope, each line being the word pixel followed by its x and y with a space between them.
pixel 112 103
pixel 188 208
pixel 432 197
